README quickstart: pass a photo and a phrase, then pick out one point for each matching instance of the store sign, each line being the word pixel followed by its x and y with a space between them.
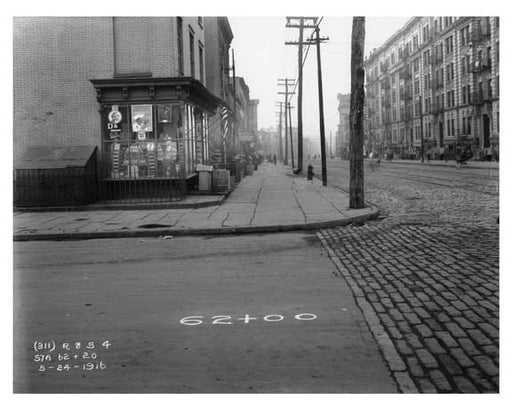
pixel 114 119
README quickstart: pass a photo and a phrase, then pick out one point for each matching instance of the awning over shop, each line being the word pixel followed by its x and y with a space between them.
pixel 144 89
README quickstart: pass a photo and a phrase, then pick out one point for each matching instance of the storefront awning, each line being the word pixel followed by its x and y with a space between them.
pixel 149 89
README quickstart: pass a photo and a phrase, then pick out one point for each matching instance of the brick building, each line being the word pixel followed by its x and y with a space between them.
pixel 134 87
pixel 246 115
pixel 434 85
pixel 218 37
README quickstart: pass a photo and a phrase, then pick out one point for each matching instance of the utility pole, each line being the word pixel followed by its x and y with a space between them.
pixel 291 137
pixel 303 22
pixel 280 131
pixel 317 42
pixel 321 106
pixel 356 185
pixel 287 82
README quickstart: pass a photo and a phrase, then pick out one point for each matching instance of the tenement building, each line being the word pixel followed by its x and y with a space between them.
pixel 131 90
pixel 343 132
pixel 433 87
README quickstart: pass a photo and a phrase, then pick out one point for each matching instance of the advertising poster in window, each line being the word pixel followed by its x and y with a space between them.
pixel 142 118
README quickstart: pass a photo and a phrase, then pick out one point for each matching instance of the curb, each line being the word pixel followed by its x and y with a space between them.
pixel 200 231
pixel 125 207
pixel 395 364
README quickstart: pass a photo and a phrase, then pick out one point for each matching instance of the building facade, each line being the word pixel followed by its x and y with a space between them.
pixel 343 133
pixel 218 37
pixel 433 87
pixel 134 87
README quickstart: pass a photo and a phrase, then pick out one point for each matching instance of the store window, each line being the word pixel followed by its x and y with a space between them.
pixel 148 141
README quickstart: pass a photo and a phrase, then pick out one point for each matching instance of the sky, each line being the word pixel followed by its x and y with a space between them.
pixel 262 57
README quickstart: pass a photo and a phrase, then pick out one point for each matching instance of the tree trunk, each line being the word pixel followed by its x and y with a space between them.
pixel 356 186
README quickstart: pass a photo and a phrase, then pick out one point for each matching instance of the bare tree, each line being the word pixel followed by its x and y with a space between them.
pixel 356 186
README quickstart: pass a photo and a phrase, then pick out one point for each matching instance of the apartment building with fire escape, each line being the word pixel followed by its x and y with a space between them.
pixel 434 87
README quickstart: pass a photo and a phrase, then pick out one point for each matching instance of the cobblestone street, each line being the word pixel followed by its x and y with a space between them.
pixel 426 279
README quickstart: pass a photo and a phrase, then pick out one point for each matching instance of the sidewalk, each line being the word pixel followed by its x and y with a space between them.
pixel 271 200
pixel 451 163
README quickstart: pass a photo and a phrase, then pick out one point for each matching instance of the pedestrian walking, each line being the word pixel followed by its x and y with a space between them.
pixel 311 174
pixel 275 159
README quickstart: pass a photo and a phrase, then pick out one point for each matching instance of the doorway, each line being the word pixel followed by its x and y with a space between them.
pixel 487 131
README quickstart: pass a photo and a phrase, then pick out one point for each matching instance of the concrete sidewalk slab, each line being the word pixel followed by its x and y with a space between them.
pixel 271 200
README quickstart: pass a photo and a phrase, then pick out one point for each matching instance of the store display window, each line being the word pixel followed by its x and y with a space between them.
pixel 148 141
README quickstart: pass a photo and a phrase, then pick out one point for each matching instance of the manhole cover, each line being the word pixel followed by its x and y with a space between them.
pixel 153 226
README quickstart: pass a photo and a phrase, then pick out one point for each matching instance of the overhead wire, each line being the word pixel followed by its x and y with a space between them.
pixel 304 58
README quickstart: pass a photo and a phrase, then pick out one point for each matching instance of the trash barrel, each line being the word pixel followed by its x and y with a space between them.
pixel 205 177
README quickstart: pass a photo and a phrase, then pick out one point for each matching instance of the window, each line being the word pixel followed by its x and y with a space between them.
pixel 463 65
pixel 201 62
pixel 147 141
pixel 416 65
pixel 464 90
pixel 449 45
pixel 180 46
pixel 131 51
pixel 392 58
pixel 426 58
pixel 464 36
pixel 426 33
pixel 415 42
pixel 192 59
pixel 416 86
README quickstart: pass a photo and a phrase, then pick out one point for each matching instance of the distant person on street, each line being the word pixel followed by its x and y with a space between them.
pixel 311 174
pixel 275 159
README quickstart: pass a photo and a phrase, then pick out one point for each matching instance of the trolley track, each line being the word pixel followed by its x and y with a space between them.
pixel 460 179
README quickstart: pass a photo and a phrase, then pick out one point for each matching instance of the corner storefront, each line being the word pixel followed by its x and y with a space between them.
pixel 154 132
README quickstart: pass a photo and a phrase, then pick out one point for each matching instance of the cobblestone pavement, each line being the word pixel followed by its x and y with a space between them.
pixel 426 279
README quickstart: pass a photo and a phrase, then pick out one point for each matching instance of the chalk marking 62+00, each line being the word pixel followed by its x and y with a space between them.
pixel 228 320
